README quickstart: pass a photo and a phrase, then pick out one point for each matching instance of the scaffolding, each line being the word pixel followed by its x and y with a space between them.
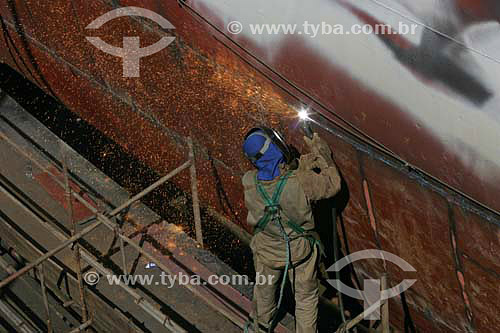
pixel 106 219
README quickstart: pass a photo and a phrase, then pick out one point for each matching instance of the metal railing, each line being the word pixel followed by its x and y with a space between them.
pixel 105 218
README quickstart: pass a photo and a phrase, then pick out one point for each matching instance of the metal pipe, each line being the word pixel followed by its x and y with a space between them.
pixel 335 258
pixel 68 303
pixel 385 306
pixel 82 326
pixel 122 250
pixel 21 325
pixel 45 299
pixel 49 254
pixel 194 193
pixel 350 324
pixel 6 266
pixel 76 250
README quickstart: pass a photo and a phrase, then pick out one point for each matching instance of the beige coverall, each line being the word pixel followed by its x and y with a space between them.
pixel 268 246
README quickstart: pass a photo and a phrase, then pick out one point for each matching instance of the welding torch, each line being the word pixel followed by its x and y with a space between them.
pixel 305 123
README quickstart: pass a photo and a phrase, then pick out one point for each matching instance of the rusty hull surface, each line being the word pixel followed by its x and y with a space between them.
pixel 200 86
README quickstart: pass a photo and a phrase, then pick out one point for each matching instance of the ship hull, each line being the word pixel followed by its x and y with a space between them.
pixel 408 190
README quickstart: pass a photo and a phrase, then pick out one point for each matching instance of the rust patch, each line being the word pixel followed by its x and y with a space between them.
pixel 58 193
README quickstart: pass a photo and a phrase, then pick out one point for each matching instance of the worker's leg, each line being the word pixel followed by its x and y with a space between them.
pixel 264 292
pixel 306 287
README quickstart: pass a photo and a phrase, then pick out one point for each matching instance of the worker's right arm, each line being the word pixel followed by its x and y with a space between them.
pixel 324 184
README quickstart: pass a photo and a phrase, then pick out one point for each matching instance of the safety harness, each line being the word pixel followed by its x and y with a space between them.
pixel 272 213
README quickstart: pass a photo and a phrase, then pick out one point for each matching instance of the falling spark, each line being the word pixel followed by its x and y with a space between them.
pixel 178 228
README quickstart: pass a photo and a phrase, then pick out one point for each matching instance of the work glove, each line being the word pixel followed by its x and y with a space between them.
pixel 319 147
pixel 312 161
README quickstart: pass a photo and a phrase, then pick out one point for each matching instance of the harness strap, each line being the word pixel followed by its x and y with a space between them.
pixel 272 205
pixel 304 233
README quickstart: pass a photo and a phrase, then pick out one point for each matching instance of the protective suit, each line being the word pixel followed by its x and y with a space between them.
pixel 278 200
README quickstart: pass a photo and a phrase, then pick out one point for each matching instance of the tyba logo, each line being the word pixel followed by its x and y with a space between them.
pixel 372 293
pixel 131 51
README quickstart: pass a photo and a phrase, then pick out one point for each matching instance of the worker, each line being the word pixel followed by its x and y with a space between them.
pixel 278 196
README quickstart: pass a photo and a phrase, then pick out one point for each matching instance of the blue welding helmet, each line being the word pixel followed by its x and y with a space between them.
pixel 270 136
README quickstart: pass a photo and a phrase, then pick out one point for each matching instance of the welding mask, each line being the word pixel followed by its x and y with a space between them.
pixel 267 137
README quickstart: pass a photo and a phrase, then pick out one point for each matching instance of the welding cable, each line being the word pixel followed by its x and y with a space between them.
pixel 23 38
pixel 335 258
pixel 9 42
pixel 430 28
pixel 87 220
